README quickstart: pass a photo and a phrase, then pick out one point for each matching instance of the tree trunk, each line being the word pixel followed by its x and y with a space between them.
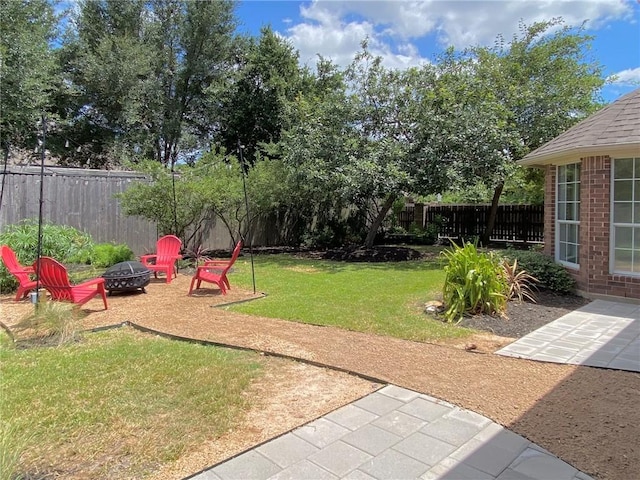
pixel 373 230
pixel 492 215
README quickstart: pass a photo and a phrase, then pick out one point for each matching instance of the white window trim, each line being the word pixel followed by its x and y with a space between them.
pixel 571 265
pixel 612 230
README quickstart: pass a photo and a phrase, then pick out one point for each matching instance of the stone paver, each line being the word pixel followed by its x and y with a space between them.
pixel 397 433
pixel 600 334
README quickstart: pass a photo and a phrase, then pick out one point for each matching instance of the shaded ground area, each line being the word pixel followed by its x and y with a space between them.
pixel 586 416
pixel 525 317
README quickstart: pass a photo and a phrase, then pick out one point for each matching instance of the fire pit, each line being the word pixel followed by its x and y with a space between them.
pixel 126 276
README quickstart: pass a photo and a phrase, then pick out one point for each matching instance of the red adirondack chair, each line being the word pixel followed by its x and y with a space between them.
pixel 22 273
pixel 53 276
pixel 164 260
pixel 215 271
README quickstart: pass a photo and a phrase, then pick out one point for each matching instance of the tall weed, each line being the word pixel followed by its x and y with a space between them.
pixel 13 441
pixel 50 323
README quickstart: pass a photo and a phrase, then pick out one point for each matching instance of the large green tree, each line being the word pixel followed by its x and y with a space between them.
pixel 143 69
pixel 252 106
pixel 27 67
pixel 545 80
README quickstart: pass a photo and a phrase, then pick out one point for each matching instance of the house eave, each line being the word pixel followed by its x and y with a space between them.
pixel 559 157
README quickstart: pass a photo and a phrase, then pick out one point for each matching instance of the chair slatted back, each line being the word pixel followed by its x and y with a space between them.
pixel 167 248
pixel 53 276
pixel 11 262
pixel 234 256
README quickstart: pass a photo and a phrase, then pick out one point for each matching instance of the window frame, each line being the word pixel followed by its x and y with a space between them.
pixel 635 222
pixel 561 222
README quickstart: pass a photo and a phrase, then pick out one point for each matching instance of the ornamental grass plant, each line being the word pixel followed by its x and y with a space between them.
pixel 474 282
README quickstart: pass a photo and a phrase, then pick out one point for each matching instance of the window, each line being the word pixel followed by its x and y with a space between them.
pixel 568 214
pixel 625 225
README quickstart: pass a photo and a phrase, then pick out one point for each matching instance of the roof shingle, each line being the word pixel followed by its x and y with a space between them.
pixel 617 124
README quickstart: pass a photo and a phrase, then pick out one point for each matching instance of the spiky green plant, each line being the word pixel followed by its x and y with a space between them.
pixel 474 282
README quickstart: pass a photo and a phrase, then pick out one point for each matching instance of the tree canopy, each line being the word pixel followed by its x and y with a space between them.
pixel 27 67
pixel 325 150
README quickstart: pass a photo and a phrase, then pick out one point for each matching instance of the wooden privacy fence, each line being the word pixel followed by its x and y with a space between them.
pixel 80 198
pixel 514 223
pixel 84 199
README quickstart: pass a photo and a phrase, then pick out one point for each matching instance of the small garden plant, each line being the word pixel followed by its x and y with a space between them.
pixel 474 282
pixel 66 244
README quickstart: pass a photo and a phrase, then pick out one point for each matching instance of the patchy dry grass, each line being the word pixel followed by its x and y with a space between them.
pixel 120 401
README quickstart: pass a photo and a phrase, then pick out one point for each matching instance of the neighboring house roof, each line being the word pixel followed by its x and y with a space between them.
pixel 614 130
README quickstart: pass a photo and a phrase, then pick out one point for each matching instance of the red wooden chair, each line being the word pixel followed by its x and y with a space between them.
pixel 22 273
pixel 215 271
pixel 53 276
pixel 164 260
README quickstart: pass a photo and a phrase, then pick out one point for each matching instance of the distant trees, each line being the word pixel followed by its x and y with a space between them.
pixel 545 82
pixel 141 71
pixel 327 151
pixel 27 67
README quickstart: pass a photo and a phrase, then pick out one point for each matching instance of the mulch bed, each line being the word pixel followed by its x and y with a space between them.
pixel 524 317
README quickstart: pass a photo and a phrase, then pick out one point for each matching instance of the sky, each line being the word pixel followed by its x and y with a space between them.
pixel 411 32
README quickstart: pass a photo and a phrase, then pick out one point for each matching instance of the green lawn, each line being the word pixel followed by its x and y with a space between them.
pixel 145 400
pixel 118 400
pixel 381 298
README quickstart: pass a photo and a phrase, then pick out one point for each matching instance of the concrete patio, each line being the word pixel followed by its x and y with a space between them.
pixel 600 334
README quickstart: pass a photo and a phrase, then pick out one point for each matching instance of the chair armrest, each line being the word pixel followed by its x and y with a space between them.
pixel 217 262
pixel 146 259
pixel 93 281
pixel 209 267
pixel 25 270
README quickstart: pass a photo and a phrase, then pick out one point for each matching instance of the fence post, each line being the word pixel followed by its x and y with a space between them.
pixel 418 215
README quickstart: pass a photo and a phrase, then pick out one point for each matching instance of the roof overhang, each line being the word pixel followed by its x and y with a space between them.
pixel 572 154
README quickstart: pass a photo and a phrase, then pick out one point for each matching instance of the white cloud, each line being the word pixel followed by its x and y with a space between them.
pixel 335 29
pixel 628 77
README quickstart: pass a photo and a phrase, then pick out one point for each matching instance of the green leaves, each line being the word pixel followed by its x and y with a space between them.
pixel 28 69
pixel 474 282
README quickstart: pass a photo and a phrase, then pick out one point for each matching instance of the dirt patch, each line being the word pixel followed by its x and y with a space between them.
pixel 586 416
pixel 289 395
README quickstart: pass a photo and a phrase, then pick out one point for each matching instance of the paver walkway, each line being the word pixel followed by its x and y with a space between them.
pixel 600 334
pixel 396 433
pixel 530 397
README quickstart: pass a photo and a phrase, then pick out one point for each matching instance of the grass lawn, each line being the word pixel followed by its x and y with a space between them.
pixel 121 402
pixel 118 397
pixel 380 298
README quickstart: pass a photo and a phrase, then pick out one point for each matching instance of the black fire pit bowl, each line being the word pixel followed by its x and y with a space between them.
pixel 126 276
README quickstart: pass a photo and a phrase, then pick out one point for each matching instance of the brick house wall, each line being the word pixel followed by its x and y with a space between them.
pixel 593 277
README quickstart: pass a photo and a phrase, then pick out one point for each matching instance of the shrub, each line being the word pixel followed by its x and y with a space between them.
pixel 550 275
pixel 65 244
pixel 474 282
pixel 107 254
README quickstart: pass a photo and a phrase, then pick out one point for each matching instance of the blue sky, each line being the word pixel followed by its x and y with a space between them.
pixel 411 32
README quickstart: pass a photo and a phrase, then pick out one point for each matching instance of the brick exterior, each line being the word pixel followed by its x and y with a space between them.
pixel 593 277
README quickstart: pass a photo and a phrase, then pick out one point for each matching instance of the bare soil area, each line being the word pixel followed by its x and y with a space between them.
pixel 589 417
